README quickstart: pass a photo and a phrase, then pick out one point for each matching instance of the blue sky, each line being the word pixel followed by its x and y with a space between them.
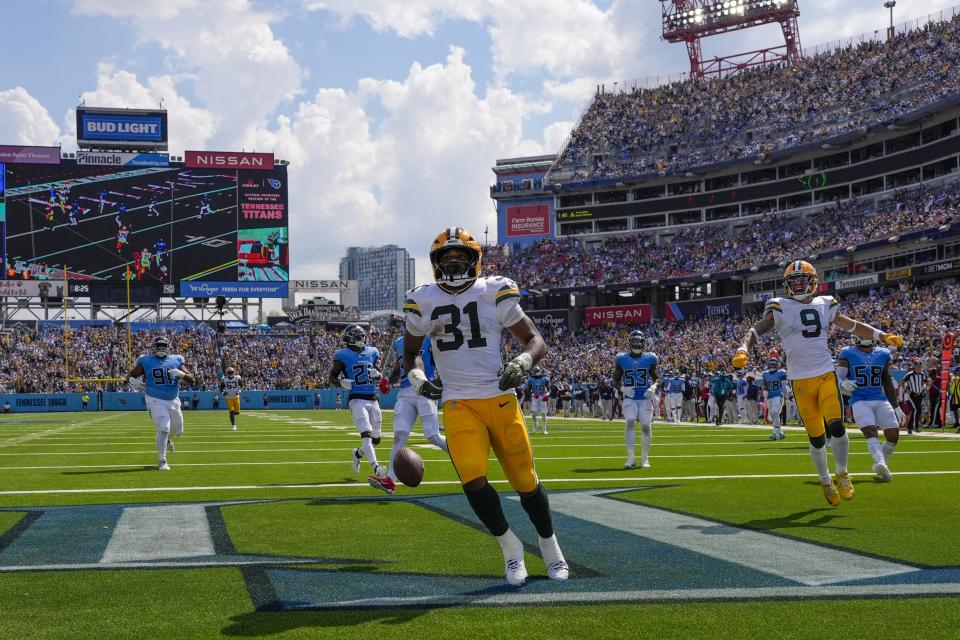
pixel 391 112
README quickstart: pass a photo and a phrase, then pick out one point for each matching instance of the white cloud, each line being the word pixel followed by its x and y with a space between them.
pixel 23 120
pixel 189 126
pixel 407 19
pixel 425 167
pixel 241 72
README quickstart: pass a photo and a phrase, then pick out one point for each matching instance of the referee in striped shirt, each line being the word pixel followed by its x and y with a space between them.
pixel 915 383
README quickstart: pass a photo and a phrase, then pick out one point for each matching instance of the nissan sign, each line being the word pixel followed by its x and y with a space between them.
pixel 620 314
pixel 228 160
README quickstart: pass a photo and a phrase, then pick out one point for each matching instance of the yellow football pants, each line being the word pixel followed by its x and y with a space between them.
pixel 474 426
pixel 818 400
pixel 233 405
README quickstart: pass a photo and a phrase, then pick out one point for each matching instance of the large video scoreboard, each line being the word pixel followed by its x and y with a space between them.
pixel 216 225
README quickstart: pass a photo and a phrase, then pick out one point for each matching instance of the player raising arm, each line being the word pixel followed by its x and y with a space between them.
pixel 465 315
pixel 158 375
pixel 803 319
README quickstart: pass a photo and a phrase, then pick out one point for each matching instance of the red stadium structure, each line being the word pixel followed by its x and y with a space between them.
pixel 690 20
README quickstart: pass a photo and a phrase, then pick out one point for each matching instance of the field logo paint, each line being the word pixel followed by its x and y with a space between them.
pixel 660 556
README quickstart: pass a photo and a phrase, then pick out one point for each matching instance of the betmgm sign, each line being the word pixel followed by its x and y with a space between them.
pixel 347 290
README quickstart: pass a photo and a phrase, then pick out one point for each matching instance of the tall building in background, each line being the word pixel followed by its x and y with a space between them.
pixel 384 275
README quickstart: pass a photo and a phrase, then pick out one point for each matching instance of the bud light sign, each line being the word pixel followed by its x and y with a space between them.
pixel 121 126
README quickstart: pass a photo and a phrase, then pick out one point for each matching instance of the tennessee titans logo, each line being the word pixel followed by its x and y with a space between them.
pixel 273 182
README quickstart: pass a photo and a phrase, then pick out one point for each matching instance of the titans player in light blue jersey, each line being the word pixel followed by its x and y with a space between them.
pixel 864 374
pixel 774 379
pixel 635 374
pixel 674 395
pixel 742 387
pixel 355 369
pixel 411 404
pixel 539 393
pixel 158 375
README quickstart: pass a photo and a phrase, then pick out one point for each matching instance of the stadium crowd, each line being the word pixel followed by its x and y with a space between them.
pixel 770 239
pixel 33 361
pixel 763 110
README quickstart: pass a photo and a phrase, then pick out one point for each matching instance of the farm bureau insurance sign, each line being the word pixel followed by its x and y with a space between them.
pixel 528 220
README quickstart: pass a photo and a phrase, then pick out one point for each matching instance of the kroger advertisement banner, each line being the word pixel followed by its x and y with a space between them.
pixel 205 289
pixel 555 319
pixel 619 314
pixel 696 309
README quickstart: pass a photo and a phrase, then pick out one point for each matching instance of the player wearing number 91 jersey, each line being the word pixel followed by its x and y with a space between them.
pixel 465 314
pixel 803 319
pixel 161 373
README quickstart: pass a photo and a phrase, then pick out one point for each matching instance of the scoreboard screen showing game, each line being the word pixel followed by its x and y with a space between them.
pixel 193 231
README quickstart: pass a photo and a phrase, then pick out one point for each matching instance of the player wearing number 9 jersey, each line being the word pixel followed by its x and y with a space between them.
pixel 465 314
pixel 161 372
pixel 803 319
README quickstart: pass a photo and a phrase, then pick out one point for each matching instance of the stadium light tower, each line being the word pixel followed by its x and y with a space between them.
pixel 890 4
pixel 688 21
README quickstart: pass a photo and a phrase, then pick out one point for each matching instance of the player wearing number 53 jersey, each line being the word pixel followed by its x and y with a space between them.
pixel 161 373
pixel 635 374
pixel 803 319
pixel 464 315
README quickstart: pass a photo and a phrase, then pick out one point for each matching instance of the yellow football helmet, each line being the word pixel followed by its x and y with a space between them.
pixel 800 279
pixel 454 274
pixel 231 371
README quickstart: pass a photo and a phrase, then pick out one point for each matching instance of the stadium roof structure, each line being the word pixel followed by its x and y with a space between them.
pixel 690 20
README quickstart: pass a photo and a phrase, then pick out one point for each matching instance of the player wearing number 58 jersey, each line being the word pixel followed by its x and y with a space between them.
pixel 465 314
pixel 158 375
pixel 803 319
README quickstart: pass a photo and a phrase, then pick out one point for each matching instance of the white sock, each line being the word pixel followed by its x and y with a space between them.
pixel 399 439
pixel 366 448
pixel 841 452
pixel 819 457
pixel 162 444
pixel 876 451
pixel 646 435
pixel 888 449
pixel 630 436
pixel 510 545
pixel 544 418
pixel 440 441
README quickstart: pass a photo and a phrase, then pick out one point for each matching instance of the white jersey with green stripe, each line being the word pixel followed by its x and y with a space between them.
pixel 804 329
pixel 466 330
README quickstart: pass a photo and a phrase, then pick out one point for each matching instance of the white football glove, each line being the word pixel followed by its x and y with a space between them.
pixel 901 416
pixel 849 385
pixel 374 375
pixel 650 393
pixel 627 392
pixel 346 383
pixel 176 373
pixel 137 384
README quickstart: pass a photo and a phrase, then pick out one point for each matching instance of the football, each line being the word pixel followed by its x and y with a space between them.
pixel 408 465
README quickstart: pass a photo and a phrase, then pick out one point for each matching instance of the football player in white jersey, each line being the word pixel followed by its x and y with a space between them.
pixel 803 319
pixel 230 386
pixel 465 315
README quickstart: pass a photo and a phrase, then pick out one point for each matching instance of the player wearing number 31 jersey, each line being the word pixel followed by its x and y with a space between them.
pixel 464 315
pixel 803 319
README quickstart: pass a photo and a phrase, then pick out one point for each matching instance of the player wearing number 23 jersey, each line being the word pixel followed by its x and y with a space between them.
pixel 465 314
pixel 803 319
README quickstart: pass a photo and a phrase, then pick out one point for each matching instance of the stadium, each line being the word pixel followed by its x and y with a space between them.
pixel 660 301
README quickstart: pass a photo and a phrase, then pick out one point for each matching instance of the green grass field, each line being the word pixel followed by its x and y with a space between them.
pixel 268 532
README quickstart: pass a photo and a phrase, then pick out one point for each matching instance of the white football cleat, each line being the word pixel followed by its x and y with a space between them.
pixel 630 464
pixel 515 571
pixel 645 464
pixel 883 472
pixel 163 466
pixel 557 568
pixel 356 460
pixel 170 446
pixel 234 428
